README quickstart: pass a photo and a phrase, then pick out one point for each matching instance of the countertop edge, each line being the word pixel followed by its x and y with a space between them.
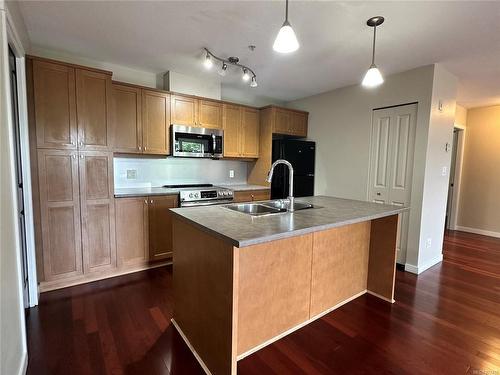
pixel 283 235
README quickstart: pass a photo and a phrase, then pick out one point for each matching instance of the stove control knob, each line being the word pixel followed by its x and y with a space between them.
pixel 191 195
pixel 196 195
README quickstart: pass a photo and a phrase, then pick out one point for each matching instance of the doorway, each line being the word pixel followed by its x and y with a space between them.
pixel 19 176
pixel 455 176
pixel 391 163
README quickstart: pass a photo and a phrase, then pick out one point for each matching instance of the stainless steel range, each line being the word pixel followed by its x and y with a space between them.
pixel 202 195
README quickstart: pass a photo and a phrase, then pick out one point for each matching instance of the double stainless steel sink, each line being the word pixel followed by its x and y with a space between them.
pixel 267 207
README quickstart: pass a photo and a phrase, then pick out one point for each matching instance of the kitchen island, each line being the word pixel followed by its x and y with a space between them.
pixel 242 282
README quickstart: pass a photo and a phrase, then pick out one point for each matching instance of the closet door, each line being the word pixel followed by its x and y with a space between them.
pixel 60 214
pixel 98 210
pixel 55 106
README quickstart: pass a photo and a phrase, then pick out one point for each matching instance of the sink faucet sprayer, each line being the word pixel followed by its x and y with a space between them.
pixel 290 179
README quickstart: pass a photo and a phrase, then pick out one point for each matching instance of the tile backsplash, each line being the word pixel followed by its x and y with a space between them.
pixel 146 172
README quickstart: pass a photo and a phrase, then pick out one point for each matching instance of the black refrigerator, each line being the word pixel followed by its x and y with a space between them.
pixel 301 155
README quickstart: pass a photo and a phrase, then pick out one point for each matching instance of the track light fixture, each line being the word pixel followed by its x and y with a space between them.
pixel 248 74
pixel 373 77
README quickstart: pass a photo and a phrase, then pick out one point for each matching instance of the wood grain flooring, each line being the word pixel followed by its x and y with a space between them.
pixel 446 321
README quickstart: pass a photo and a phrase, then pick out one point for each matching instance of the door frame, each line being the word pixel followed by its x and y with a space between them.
pixel 368 180
pixel 15 44
pixel 457 181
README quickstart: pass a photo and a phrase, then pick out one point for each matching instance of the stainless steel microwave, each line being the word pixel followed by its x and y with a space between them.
pixel 188 141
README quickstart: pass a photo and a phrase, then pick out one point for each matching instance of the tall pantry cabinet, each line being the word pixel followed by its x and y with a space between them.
pixel 73 194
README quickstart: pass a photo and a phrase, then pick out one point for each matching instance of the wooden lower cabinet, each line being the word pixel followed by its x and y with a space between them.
pixel 252 195
pixel 97 210
pixel 132 231
pixel 144 229
pixel 160 226
pixel 60 214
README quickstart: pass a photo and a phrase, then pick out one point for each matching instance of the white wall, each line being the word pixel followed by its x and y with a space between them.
pixel 437 166
pixel 182 83
pixel 159 172
pixel 13 352
pixel 340 122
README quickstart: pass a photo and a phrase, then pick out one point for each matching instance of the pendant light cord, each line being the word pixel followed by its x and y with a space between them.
pixel 286 11
pixel 374 37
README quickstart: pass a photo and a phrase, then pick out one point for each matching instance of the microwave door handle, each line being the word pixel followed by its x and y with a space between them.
pixel 214 144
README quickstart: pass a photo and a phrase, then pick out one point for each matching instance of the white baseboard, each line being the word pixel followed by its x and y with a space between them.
pixel 425 266
pixel 478 231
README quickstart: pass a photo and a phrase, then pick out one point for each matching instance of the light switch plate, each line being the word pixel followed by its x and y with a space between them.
pixel 131 174
pixel 444 171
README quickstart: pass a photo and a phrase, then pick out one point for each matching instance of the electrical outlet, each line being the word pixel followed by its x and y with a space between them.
pixel 440 106
pixel 444 171
pixel 131 174
pixel 231 173
pixel 428 243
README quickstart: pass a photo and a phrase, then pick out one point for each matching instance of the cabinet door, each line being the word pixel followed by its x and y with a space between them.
pixel 184 110
pixel 250 133
pixel 125 119
pixel 55 105
pixel 93 96
pixel 251 195
pixel 160 226
pixel 132 231
pixel 232 130
pixel 281 121
pixel 210 114
pixel 298 124
pixel 60 214
pixel 98 211
pixel 155 122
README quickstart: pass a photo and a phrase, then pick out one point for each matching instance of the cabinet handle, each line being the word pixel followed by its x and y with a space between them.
pixel 378 194
pixel 151 201
pixel 73 143
pixel 146 201
pixel 73 156
pixel 80 143
pixel 145 148
pixel 140 148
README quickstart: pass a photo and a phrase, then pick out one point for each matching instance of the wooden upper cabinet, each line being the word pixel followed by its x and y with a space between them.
pixel 298 123
pixel 132 231
pixel 281 121
pixel 93 97
pixel 184 110
pixel 160 226
pixel 155 122
pixel 97 210
pixel 250 133
pixel 125 128
pixel 232 130
pixel 60 214
pixel 55 106
pixel 209 114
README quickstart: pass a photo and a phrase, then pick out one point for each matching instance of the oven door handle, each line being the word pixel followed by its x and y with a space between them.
pixel 208 203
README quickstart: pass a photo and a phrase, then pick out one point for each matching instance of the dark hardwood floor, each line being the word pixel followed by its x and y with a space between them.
pixel 446 321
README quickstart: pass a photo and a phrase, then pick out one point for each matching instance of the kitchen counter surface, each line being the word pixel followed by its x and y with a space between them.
pixel 144 191
pixel 244 230
pixel 245 187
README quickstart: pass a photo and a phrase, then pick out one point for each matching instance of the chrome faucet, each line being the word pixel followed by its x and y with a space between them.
pixel 269 178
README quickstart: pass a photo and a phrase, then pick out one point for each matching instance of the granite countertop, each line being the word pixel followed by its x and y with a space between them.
pixel 146 191
pixel 244 230
pixel 244 187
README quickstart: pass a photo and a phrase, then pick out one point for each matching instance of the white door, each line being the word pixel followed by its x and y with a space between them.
pixel 391 162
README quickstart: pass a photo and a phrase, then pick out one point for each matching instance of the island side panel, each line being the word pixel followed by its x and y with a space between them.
pixel 204 270
pixel 273 290
pixel 339 265
pixel 382 259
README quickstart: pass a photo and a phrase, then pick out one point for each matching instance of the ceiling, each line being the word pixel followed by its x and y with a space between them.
pixel 335 42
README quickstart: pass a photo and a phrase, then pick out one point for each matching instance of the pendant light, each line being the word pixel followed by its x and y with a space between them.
pixel 373 77
pixel 286 41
